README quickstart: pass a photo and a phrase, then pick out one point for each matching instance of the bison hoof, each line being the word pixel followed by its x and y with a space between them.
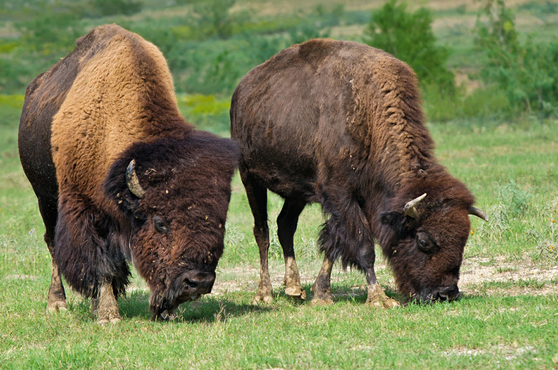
pixel 378 299
pixel 319 301
pixel 385 303
pixel 113 319
pixel 296 292
pixel 259 299
pixel 56 306
pixel 321 297
pixel 107 321
pixel 263 298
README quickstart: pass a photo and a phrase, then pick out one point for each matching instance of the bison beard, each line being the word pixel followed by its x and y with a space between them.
pixel 340 124
pixel 121 176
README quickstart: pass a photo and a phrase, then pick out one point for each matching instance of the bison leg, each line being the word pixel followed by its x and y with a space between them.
pixel 107 305
pixel 286 228
pixel 56 293
pixel 376 295
pixel 257 198
pixel 322 285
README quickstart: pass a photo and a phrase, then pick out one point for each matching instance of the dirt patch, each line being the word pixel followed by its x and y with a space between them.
pixel 510 353
pixel 522 277
pixel 479 276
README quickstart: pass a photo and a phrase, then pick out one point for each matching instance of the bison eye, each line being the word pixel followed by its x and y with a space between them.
pixel 425 244
pixel 160 225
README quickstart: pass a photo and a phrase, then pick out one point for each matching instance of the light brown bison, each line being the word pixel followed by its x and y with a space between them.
pixel 120 175
pixel 340 124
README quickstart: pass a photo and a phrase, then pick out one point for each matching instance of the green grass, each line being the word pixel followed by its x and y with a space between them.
pixel 512 170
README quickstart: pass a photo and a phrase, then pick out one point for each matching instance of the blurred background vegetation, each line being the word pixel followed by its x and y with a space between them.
pixel 489 59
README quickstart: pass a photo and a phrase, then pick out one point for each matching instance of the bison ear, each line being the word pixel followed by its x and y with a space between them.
pixel 393 219
pixel 400 223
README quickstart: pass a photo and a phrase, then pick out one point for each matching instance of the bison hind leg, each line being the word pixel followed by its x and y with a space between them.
pixel 56 293
pixel 286 227
pixel 257 198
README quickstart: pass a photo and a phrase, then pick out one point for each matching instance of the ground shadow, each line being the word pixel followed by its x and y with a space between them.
pixel 340 293
pixel 207 309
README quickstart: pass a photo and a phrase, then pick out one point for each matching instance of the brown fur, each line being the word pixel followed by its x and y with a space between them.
pixel 340 123
pixel 109 102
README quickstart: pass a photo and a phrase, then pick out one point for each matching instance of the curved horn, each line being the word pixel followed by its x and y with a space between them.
pixel 411 207
pixel 133 181
pixel 477 212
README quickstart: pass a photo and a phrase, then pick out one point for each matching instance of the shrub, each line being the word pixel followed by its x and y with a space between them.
pixel 51 31
pixel 526 71
pixel 514 198
pixel 409 37
pixel 214 18
pixel 102 8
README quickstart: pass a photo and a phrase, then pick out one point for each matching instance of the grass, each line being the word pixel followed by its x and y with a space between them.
pixel 507 319
pixel 512 170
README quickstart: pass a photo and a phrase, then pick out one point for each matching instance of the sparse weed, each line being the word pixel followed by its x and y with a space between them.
pixel 515 200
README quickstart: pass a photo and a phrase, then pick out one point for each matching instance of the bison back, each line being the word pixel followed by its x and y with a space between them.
pixel 324 110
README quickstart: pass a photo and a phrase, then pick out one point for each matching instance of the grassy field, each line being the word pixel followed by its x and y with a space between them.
pixel 506 318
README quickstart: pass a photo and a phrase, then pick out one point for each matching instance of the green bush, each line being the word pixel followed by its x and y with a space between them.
pixel 102 8
pixel 409 37
pixel 214 18
pixel 526 71
pixel 51 31
pixel 515 199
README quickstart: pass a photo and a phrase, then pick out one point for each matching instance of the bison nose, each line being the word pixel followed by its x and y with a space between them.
pixel 448 293
pixel 196 282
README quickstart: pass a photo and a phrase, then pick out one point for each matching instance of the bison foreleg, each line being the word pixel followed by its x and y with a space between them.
pixel 322 285
pixel 378 298
pixel 376 295
pixel 107 309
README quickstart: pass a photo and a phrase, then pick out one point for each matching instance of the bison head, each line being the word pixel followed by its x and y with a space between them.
pixel 425 237
pixel 175 196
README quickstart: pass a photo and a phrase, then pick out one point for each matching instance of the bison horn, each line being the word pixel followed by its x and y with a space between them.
pixel 477 212
pixel 411 207
pixel 133 181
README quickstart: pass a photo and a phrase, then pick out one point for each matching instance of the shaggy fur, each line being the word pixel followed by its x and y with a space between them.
pixel 110 101
pixel 340 123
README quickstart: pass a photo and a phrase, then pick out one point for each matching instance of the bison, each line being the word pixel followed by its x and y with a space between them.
pixel 340 124
pixel 121 176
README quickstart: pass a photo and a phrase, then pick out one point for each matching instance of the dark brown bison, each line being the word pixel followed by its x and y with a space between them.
pixel 340 123
pixel 120 175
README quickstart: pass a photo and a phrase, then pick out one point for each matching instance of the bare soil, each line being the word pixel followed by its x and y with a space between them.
pixel 477 274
